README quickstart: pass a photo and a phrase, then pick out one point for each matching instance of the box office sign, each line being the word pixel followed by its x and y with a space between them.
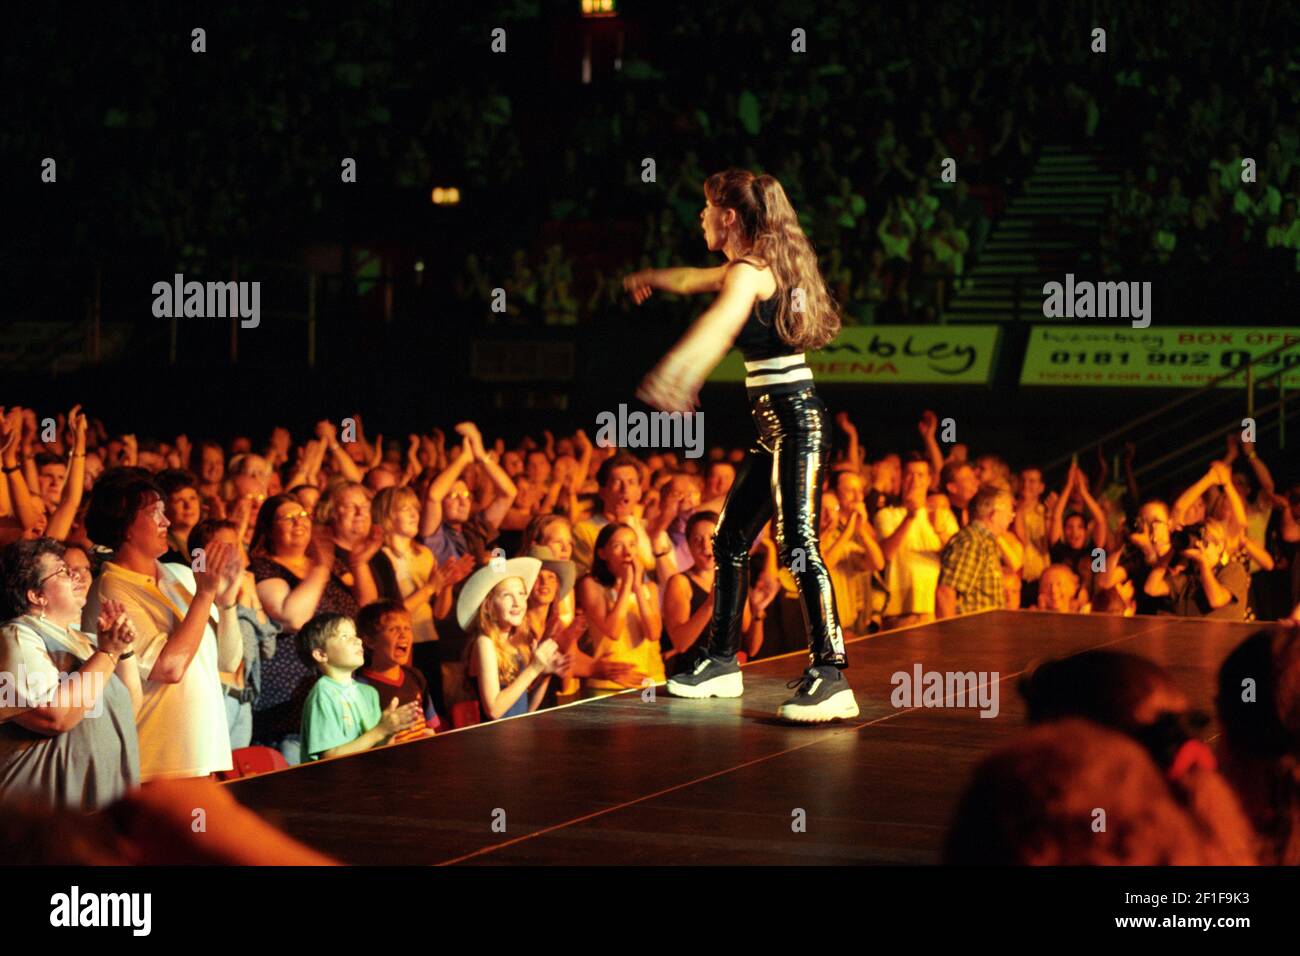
pixel 1169 357
pixel 895 354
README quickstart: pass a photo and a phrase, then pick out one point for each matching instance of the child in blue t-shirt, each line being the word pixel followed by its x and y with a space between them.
pixel 386 630
pixel 340 715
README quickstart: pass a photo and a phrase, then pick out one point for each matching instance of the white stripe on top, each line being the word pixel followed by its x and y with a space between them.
pixel 778 378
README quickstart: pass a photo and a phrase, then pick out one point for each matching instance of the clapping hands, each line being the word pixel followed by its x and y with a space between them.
pixel 473 439
pixel 401 717
pixel 114 632
pixel 222 565
pixel 549 657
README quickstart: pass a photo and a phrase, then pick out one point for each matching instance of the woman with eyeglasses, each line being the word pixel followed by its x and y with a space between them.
pixel 67 723
pixel 450 524
pixel 309 495
pixel 294 566
pixel 345 511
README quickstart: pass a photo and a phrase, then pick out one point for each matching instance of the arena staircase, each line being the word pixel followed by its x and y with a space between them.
pixel 1049 229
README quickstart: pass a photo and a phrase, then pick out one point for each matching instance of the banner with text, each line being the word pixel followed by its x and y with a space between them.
pixel 895 354
pixel 1168 357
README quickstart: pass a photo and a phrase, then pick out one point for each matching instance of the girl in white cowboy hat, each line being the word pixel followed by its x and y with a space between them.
pixel 506 671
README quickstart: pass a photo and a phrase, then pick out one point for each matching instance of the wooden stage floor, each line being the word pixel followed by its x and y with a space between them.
pixel 621 780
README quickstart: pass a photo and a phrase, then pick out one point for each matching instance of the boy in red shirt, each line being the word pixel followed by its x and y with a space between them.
pixel 385 629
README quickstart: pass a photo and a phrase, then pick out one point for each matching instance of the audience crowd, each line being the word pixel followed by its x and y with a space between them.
pixel 868 188
pixel 168 604
pixel 856 128
pixel 329 595
pixel 858 144
pixel 1192 112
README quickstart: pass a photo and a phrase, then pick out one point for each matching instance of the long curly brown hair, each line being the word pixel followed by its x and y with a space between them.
pixel 768 224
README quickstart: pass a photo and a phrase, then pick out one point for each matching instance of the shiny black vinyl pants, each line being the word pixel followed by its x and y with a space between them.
pixel 780 478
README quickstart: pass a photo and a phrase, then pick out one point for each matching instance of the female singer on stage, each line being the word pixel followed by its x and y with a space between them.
pixel 773 305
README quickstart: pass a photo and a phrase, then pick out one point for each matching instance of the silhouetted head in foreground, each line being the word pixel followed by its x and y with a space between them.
pixel 1073 793
pixel 1140 698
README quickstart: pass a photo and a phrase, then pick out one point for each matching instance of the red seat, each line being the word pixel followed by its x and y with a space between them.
pixel 250 761
pixel 465 714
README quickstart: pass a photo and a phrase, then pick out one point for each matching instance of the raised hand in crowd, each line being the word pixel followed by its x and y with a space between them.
pixel 18 499
pixel 413 466
pixel 63 516
pixel 853 453
pixel 327 432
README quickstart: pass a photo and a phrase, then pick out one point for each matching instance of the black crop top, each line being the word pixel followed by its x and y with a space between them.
pixel 758 338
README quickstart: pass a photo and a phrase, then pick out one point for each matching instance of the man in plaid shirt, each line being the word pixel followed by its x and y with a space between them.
pixel 970 567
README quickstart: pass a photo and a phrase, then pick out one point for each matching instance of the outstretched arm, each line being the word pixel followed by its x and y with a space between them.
pixel 674 384
pixel 682 281
pixel 1258 554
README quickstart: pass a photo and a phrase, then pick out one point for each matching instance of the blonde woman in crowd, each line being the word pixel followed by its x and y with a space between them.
pixel 507 673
